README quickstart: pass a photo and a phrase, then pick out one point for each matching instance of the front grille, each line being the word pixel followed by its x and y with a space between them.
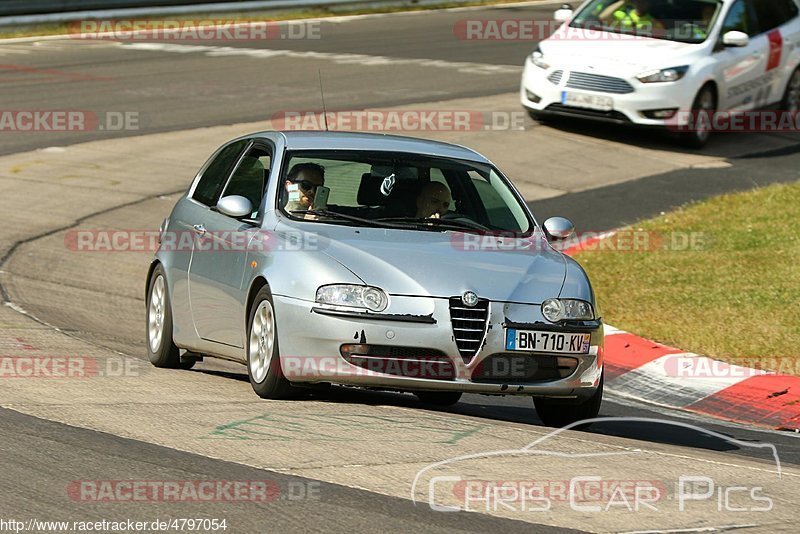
pixel 469 326
pixel 598 82
pixel 555 77
pixel 411 362
pixel 613 116
pixel 518 369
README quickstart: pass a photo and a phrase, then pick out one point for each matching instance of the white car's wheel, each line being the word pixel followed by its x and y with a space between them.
pixel 791 97
pixel 703 109
pixel 263 355
pixel 161 349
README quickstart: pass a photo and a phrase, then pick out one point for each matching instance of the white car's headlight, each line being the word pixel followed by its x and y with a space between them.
pixel 353 296
pixel 537 58
pixel 555 310
pixel 672 74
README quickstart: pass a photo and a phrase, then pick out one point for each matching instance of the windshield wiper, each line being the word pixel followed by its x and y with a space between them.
pixel 459 224
pixel 351 218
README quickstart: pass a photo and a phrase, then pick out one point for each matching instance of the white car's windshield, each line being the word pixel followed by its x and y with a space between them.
pixel 399 190
pixel 687 21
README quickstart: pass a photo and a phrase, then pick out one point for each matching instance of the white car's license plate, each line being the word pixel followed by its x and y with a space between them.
pixel 583 100
pixel 540 341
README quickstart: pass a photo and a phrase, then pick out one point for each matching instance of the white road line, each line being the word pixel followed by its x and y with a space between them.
pixel 343 59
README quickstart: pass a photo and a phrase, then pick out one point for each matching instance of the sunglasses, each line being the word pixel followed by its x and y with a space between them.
pixel 306 185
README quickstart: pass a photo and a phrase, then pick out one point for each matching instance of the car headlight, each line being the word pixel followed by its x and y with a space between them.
pixel 353 296
pixel 672 74
pixel 555 310
pixel 537 58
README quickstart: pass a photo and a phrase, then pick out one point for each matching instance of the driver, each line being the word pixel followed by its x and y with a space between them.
pixel 433 201
pixel 301 185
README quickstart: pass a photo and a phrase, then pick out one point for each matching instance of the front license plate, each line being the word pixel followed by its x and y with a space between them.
pixel 538 341
pixel 582 100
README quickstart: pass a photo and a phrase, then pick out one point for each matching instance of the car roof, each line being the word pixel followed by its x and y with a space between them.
pixel 319 140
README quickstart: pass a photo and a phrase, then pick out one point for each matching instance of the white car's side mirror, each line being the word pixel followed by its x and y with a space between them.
pixel 235 206
pixel 564 13
pixel 735 38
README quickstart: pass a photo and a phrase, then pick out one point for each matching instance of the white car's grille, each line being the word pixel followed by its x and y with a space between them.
pixel 469 325
pixel 555 77
pixel 598 82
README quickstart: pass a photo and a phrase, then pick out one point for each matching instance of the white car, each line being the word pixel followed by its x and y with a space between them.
pixel 659 62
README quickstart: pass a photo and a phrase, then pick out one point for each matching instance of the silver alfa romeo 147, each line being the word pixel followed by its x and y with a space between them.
pixel 377 261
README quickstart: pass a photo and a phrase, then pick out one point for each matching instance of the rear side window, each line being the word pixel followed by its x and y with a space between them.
pixel 216 174
pixel 773 13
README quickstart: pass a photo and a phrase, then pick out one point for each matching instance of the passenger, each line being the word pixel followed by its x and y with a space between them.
pixel 631 15
pixel 433 201
pixel 301 185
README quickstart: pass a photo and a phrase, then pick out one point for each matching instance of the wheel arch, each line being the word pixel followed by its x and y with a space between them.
pixel 256 285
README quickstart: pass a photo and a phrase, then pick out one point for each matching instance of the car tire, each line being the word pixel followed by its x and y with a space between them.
pixel 161 349
pixel 705 102
pixel 791 96
pixel 559 415
pixel 263 354
pixel 439 398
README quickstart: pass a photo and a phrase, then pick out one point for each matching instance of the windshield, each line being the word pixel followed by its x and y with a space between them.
pixel 688 21
pixel 399 191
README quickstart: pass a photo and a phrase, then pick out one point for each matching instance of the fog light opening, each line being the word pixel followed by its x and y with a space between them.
pixel 666 113
pixel 532 97
pixel 566 366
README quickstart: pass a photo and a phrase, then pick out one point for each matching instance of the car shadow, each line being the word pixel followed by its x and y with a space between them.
pixel 508 409
pixel 729 145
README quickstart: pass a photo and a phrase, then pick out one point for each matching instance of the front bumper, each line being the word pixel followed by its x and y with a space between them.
pixel 310 347
pixel 539 94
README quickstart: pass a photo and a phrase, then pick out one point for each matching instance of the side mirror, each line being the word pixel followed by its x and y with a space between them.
pixel 735 38
pixel 235 206
pixel 564 13
pixel 558 228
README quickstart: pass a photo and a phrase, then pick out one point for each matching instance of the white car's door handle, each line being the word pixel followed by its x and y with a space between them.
pixel 199 229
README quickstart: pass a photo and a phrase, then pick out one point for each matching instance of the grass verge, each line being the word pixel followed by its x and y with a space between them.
pixel 719 277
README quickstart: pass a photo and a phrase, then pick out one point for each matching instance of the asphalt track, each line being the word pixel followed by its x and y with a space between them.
pixel 175 91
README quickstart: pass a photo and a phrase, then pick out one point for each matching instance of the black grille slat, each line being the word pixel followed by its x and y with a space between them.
pixel 464 321
pixel 555 77
pixel 599 83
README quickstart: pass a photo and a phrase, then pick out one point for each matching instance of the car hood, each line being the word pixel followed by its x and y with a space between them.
pixel 445 264
pixel 616 54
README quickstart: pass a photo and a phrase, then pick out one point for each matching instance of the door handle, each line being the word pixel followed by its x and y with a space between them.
pixel 199 229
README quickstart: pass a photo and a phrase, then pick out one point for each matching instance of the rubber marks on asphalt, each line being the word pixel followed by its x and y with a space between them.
pixel 339 58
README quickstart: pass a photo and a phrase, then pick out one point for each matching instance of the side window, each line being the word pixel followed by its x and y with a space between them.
pixel 250 177
pixel 738 19
pixel 773 13
pixel 214 177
